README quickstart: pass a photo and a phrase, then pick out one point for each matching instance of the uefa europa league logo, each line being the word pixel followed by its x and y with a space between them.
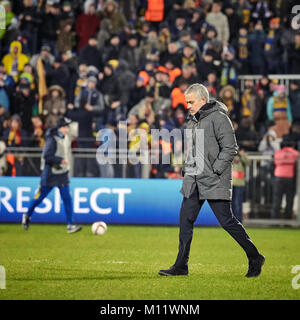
pixel 2 17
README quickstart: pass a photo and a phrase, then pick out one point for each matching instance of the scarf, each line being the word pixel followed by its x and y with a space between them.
pixel 42 85
pixel 14 137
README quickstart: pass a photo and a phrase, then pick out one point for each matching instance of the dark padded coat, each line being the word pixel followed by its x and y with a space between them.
pixel 209 162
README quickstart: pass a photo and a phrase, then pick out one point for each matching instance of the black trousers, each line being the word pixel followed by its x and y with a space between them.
pixel 283 186
pixel 222 209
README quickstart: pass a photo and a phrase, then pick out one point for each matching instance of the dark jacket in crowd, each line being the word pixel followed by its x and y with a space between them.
pixel 91 56
pixel 85 120
pixel 294 60
pixel 23 106
pixel 294 98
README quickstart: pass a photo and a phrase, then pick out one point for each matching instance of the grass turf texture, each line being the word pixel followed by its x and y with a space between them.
pixel 47 263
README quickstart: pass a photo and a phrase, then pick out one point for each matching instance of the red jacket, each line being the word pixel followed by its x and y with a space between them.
pixel 285 161
pixel 86 26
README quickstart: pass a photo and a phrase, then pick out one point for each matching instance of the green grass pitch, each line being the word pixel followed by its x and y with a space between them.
pixel 47 263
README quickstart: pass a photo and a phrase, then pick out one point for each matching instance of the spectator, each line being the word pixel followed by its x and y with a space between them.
pixel 23 103
pixel 294 134
pixel 80 81
pixel 65 36
pixel 172 54
pixel 149 45
pixel 109 85
pixel 234 21
pixel 177 94
pixel 251 104
pixel 246 136
pixel 267 146
pixel 217 19
pixel 273 48
pixel 15 61
pixel 131 53
pixel 189 56
pixel 279 103
pixel 196 23
pixel 294 55
pixel 113 21
pixel 228 96
pixel 38 139
pixel 14 136
pixel 162 84
pixel 164 36
pixel 243 9
pixel 54 106
pixel 111 51
pixel 43 66
pixel 177 26
pixel 263 11
pixel 206 65
pixel 87 24
pixel 4 97
pixel 241 48
pixel 240 162
pixel 4 116
pixel 91 96
pixel 126 80
pixel 50 26
pixel 256 43
pixel 60 74
pixel 30 21
pixel 285 161
pixel 186 75
pixel 229 68
pixel 294 98
pixel 209 35
pixel 84 115
pixel 137 93
pixel 115 113
pixel 91 55
pixel 185 39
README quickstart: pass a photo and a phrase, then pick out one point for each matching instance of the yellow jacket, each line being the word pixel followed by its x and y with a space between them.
pixel 14 62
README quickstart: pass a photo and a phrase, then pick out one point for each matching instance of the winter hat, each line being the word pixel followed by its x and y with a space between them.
pixel 27 76
pixel 92 79
pixel 62 122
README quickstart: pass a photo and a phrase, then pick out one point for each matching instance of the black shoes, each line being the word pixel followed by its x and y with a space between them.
pixel 255 266
pixel 173 271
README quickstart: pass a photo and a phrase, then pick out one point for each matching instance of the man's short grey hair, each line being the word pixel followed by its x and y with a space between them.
pixel 199 89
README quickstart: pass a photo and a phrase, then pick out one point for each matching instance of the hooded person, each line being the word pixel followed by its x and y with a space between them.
pixel 113 21
pixel 278 106
pixel 15 61
pixel 55 173
pixel 54 106
pixel 87 24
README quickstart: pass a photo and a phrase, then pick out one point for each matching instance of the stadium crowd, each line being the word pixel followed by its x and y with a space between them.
pixel 101 62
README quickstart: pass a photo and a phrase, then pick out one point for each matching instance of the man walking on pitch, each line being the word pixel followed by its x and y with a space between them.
pixel 55 173
pixel 208 176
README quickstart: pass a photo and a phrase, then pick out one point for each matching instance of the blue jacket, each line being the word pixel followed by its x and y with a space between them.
pixel 53 172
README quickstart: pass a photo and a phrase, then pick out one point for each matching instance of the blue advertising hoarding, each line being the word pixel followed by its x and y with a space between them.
pixel 115 201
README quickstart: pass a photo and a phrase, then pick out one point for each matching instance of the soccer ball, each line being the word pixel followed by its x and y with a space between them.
pixel 99 228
